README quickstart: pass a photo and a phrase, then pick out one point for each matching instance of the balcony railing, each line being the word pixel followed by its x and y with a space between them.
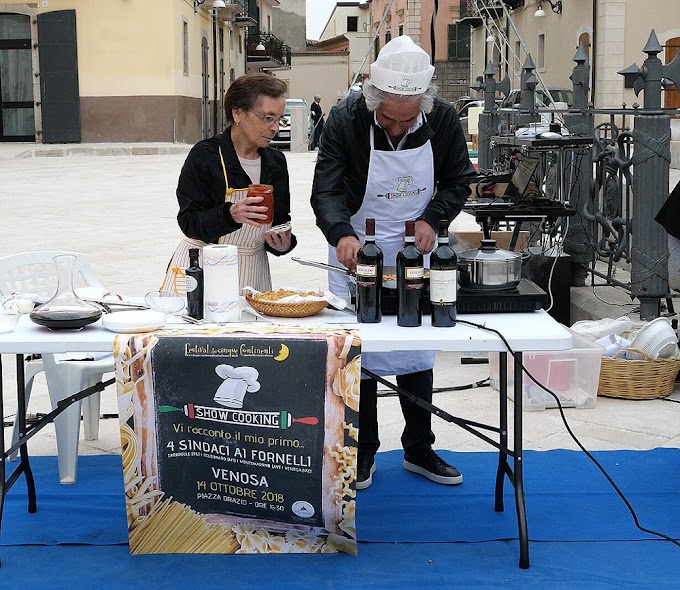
pixel 230 10
pixel 237 5
pixel 272 54
pixel 233 6
pixel 472 12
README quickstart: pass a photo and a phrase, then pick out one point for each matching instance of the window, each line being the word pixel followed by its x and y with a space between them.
pixel 541 51
pixel 185 47
pixel 388 36
pixel 352 24
pixel 459 42
pixel 401 30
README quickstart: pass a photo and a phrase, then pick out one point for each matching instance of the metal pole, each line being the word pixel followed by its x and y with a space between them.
pixel 214 24
pixel 578 242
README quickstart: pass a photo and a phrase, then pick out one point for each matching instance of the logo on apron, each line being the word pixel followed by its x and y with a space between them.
pixel 402 190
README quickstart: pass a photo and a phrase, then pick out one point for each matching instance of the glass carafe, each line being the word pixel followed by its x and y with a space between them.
pixel 65 311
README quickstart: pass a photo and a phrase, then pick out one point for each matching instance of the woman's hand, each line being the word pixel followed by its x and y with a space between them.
pixel 248 211
pixel 278 240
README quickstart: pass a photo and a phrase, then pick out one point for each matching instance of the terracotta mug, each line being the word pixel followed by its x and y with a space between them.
pixel 266 191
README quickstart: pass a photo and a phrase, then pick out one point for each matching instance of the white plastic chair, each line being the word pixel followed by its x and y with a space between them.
pixel 66 374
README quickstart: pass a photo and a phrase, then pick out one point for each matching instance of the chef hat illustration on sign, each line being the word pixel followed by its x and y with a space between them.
pixel 237 382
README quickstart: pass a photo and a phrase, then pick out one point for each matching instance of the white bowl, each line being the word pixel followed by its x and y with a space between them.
pixel 657 339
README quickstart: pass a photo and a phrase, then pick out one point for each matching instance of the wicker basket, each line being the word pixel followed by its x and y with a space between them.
pixel 651 378
pixel 286 310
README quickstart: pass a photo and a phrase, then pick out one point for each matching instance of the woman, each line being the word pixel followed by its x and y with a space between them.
pixel 214 207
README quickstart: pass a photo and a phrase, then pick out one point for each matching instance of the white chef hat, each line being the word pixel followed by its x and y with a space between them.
pixel 247 374
pixel 402 67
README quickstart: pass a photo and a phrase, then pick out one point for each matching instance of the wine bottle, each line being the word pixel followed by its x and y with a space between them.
pixel 409 280
pixel 369 278
pixel 194 276
pixel 443 280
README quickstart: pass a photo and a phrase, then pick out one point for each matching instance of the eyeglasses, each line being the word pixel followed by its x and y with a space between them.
pixel 269 120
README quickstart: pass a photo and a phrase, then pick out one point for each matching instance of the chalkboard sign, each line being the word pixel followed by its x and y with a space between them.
pixel 239 439
pixel 240 428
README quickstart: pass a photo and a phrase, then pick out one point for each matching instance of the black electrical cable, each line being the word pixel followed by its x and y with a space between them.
pixel 483 383
pixel 576 440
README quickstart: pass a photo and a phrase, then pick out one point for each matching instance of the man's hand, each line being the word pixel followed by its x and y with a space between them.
pixel 346 251
pixel 425 236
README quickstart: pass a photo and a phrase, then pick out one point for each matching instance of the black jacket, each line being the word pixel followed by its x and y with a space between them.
pixel 316 112
pixel 669 214
pixel 203 214
pixel 342 166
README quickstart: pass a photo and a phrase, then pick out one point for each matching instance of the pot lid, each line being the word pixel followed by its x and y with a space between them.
pixel 488 251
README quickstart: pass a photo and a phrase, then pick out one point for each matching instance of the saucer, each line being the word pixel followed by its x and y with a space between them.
pixel 131 322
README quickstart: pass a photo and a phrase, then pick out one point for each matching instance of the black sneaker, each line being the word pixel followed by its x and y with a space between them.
pixel 430 465
pixel 365 470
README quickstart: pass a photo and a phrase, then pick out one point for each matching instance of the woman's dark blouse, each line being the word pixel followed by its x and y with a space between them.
pixel 203 214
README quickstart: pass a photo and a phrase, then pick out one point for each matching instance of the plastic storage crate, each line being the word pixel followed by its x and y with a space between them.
pixel 573 375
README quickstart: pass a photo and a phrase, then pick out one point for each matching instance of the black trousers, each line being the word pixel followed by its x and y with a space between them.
pixel 316 135
pixel 417 434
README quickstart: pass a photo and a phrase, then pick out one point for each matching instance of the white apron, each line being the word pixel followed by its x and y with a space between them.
pixel 253 265
pixel 400 184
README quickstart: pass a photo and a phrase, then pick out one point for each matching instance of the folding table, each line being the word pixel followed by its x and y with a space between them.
pixel 534 331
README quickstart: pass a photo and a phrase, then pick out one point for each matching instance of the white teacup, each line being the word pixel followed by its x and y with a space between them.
pixel 19 305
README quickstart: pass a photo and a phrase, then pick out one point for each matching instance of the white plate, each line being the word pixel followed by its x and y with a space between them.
pixel 130 322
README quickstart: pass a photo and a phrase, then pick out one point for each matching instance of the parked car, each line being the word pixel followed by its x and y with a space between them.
pixel 463 113
pixel 513 99
pixel 282 138
pixel 462 105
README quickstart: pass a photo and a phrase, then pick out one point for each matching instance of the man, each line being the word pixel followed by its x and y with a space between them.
pixel 317 121
pixel 394 137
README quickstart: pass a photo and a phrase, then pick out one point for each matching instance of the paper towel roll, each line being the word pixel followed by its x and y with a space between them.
pixel 221 288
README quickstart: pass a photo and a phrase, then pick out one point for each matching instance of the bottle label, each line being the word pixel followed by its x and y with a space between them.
pixel 367 270
pixel 414 272
pixel 192 283
pixel 443 286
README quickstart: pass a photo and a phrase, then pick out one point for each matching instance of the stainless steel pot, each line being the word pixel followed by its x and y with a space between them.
pixel 489 269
